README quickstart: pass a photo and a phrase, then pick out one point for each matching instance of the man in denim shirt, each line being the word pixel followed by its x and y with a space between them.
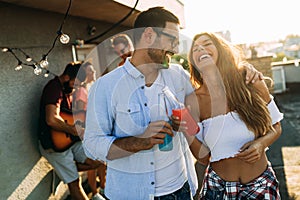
pixel 119 125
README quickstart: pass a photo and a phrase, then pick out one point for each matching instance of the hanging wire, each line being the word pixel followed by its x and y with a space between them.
pixel 114 25
pixel 59 32
pixel 29 59
pixel 13 53
pixel 32 65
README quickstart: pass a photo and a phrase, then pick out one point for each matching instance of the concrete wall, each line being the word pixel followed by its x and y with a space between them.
pixel 24 174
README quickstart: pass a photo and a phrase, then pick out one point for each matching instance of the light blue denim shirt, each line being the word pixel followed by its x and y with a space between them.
pixel 117 107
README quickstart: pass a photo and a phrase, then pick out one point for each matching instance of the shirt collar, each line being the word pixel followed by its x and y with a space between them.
pixel 131 70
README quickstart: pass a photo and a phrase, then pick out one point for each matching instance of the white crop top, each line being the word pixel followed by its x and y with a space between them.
pixel 225 134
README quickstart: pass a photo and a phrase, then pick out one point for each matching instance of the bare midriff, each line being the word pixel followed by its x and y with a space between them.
pixel 237 170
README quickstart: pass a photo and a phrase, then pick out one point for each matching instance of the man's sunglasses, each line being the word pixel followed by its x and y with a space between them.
pixel 174 39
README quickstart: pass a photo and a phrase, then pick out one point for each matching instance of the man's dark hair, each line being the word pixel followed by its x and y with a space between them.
pixel 72 69
pixel 119 39
pixel 153 17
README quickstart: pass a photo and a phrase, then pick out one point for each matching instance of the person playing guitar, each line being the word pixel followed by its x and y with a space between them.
pixel 55 127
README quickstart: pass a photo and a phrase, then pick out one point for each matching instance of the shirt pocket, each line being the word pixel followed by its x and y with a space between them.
pixel 129 118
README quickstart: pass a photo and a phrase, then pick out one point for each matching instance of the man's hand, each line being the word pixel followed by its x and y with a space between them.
pixel 251 151
pixel 155 134
pixel 252 75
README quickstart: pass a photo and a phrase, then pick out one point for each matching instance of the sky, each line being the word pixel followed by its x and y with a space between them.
pixel 249 21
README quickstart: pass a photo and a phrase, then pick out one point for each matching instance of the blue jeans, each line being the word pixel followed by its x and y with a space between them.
pixel 183 193
pixel 214 195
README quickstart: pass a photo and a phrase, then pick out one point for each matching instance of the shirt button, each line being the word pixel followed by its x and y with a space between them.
pixel 142 87
pixel 152 183
pixel 145 104
pixel 151 163
pixel 128 110
pixel 142 76
pixel 149 122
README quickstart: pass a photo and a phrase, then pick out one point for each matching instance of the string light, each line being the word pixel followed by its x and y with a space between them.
pixel 42 65
pixel 28 59
pixel 44 62
pixel 37 70
pixel 46 74
pixel 64 38
pixel 19 66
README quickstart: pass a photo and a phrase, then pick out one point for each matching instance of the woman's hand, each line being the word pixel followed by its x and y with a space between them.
pixel 251 152
pixel 177 124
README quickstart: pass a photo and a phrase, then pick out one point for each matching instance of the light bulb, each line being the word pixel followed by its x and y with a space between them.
pixel 64 38
pixel 4 49
pixel 44 63
pixel 28 59
pixel 18 67
pixel 46 74
pixel 37 71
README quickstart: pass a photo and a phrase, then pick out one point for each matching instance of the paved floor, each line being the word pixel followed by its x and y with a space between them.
pixel 284 153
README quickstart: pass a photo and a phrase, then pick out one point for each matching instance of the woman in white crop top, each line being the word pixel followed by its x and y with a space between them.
pixel 238 121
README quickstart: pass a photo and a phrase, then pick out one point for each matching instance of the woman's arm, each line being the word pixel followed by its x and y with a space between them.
pixel 252 151
pixel 198 149
pixel 80 100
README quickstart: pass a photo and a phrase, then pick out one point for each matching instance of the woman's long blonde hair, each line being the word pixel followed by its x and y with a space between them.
pixel 241 97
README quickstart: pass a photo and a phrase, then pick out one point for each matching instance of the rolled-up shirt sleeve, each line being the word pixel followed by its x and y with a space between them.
pixel 98 132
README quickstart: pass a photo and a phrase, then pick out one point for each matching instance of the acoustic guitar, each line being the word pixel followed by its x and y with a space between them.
pixel 61 140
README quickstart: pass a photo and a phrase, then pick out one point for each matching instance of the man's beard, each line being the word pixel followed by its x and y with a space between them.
pixel 66 88
pixel 156 55
pixel 159 56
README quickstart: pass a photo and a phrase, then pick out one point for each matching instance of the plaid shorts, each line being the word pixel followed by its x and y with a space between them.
pixel 265 187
